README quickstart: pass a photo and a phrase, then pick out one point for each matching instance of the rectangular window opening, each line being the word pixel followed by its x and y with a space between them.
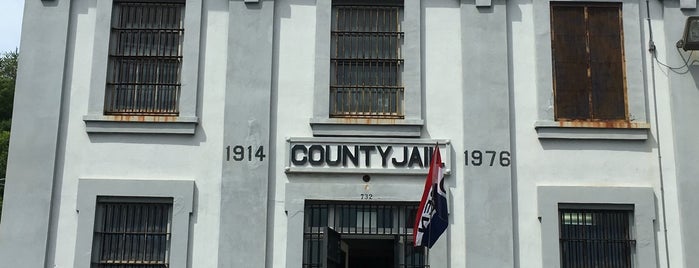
pixel 132 232
pixel 145 58
pixel 366 59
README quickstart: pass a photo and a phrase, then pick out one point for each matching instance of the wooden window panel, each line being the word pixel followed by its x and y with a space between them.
pixel 588 61
pixel 570 63
pixel 606 63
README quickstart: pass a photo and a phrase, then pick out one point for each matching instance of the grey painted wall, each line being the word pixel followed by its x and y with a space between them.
pixel 246 123
pixel 486 115
pixel 487 80
pixel 684 102
pixel 37 105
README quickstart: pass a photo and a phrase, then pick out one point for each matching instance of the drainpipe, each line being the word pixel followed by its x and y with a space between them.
pixel 651 49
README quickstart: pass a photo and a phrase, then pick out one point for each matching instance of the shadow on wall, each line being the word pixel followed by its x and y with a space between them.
pixel 600 145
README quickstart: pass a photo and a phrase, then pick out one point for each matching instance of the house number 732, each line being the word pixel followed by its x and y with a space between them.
pixel 481 158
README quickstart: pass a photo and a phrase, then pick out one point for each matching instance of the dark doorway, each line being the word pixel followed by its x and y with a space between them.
pixel 351 234
pixel 371 253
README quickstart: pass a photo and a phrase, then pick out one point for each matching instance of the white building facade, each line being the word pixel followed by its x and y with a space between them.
pixel 298 133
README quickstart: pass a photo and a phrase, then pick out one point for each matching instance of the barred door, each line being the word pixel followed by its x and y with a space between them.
pixel 377 234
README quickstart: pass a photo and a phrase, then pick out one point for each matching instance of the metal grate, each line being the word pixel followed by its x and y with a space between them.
pixel 132 234
pixel 366 61
pixel 145 58
pixel 363 220
pixel 595 238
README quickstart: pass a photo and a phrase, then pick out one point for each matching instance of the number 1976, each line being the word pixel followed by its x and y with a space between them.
pixel 478 158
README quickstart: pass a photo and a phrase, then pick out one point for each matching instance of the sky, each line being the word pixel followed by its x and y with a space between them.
pixel 10 24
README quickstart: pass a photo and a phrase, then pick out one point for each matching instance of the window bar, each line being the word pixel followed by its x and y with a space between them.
pixel 126 233
pixel 106 238
pixel 116 234
pixel 127 236
pixel 152 227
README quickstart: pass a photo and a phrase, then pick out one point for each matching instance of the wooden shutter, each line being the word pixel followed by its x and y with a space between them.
pixel 588 61
pixel 606 63
pixel 570 62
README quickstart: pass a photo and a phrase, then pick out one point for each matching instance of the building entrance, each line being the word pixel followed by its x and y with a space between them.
pixel 360 235
pixel 371 253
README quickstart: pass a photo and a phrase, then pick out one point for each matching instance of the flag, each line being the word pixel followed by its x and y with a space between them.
pixel 432 218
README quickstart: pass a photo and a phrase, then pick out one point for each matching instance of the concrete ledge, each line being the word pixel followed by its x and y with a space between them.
pixel 140 124
pixel 688 4
pixel 484 3
pixel 363 127
pixel 552 130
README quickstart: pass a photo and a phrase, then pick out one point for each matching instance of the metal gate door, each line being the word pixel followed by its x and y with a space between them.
pixel 361 220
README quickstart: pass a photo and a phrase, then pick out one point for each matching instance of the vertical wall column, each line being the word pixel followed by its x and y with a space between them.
pixel 37 105
pixel 246 126
pixel 487 189
pixel 684 100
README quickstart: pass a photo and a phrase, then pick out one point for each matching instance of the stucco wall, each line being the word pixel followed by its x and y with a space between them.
pixel 480 87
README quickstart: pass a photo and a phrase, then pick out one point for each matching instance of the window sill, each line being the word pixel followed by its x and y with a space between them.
pixel 140 124
pixel 366 127
pixel 576 130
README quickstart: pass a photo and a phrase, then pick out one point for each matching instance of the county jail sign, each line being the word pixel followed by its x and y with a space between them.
pixel 364 155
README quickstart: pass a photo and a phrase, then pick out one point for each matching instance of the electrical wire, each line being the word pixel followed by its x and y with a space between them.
pixel 673 69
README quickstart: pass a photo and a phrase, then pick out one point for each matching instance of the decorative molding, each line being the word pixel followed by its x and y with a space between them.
pixel 688 4
pixel 375 128
pixel 484 3
pixel 553 130
pixel 148 125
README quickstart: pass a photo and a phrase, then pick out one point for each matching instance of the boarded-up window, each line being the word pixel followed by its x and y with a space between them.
pixel 366 61
pixel 588 61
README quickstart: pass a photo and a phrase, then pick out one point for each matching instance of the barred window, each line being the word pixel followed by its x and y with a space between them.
pixel 588 61
pixel 366 61
pixel 132 232
pixel 595 238
pixel 145 57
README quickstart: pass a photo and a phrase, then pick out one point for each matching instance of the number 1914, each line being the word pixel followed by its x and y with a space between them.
pixel 239 153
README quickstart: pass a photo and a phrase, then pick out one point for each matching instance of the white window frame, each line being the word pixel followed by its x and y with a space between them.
pixel 641 198
pixel 181 192
pixel 97 122
pixel 411 124
pixel 547 127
